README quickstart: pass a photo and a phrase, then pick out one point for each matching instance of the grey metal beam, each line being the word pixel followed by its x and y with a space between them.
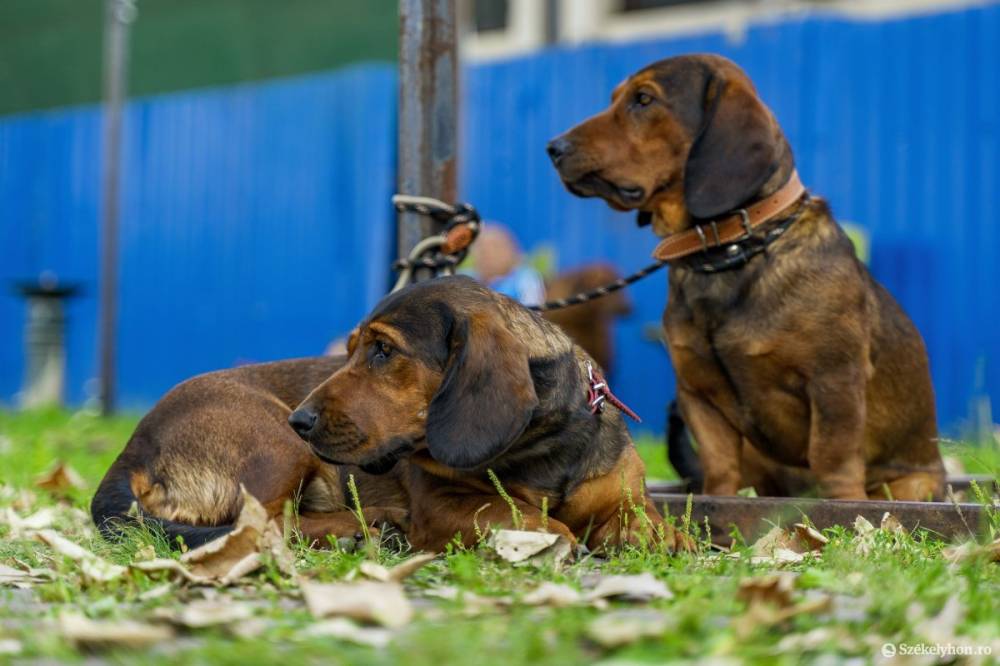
pixel 119 15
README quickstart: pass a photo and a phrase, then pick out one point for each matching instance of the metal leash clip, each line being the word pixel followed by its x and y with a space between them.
pixel 442 252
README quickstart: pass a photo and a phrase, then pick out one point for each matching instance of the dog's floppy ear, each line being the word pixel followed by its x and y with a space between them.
pixel 486 398
pixel 735 152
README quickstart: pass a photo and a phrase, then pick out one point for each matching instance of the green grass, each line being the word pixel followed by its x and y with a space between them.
pixel 883 596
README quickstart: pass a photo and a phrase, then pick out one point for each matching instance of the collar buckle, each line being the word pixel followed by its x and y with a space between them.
pixel 599 393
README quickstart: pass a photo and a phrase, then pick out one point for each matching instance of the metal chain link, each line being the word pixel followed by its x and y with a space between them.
pixel 427 253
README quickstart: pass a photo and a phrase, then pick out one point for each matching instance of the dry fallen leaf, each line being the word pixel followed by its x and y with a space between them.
pixel 10 646
pixel 20 499
pixel 163 564
pixel 473 604
pixel 60 480
pixel 817 639
pixel 862 527
pixel 641 587
pixel 552 594
pixel 250 628
pixel 780 546
pixel 517 547
pixel 891 524
pixel 810 537
pixel 157 592
pixel 775 539
pixel 83 632
pixel 93 567
pixel 22 527
pixel 867 532
pixel 770 601
pixel 204 613
pixel 398 573
pixel 972 551
pixel 345 630
pixel 24 577
pixel 238 553
pixel 866 535
pixel 382 603
pixel 628 626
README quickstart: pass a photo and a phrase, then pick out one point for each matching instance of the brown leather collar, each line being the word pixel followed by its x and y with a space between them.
pixel 731 228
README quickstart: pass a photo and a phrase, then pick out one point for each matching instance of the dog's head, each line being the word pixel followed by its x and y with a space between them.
pixel 685 138
pixel 434 365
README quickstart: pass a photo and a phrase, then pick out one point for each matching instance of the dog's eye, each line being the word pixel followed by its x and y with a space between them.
pixel 379 353
pixel 643 99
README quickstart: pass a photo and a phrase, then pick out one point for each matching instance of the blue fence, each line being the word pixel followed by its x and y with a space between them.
pixel 256 222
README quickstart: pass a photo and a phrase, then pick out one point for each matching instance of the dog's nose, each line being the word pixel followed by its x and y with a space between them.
pixel 558 148
pixel 302 421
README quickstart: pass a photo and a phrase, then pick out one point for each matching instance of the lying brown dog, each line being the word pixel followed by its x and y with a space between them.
pixel 794 367
pixel 185 462
pixel 462 380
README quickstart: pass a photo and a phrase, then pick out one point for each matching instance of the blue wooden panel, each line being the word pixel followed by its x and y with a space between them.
pixel 256 224
pixel 49 185
pixel 895 122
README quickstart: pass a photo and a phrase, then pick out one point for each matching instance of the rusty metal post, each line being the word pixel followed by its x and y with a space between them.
pixel 119 15
pixel 428 110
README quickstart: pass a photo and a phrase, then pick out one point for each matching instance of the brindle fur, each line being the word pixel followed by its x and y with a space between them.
pixel 185 462
pixel 462 380
pixel 797 372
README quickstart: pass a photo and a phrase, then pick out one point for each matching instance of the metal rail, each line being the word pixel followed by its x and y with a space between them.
pixel 958 483
pixel 755 516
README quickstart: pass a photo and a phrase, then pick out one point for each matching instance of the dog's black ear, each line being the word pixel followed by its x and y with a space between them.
pixel 735 152
pixel 486 398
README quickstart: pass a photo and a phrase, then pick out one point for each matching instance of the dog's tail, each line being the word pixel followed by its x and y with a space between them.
pixel 112 511
pixel 680 451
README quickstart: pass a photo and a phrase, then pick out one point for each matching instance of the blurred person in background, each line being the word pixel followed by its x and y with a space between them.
pixel 497 262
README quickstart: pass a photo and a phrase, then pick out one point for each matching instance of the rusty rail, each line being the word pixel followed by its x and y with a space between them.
pixel 755 516
pixel 958 483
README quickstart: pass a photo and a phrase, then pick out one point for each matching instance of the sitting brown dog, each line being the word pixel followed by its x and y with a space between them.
pixel 185 462
pixel 794 367
pixel 463 381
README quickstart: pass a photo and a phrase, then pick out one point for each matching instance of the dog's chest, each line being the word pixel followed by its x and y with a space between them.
pixel 734 353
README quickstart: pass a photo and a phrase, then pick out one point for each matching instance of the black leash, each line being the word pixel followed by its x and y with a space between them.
pixel 434 252
pixel 603 290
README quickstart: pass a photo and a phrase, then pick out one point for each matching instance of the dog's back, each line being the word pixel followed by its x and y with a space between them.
pixel 184 463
